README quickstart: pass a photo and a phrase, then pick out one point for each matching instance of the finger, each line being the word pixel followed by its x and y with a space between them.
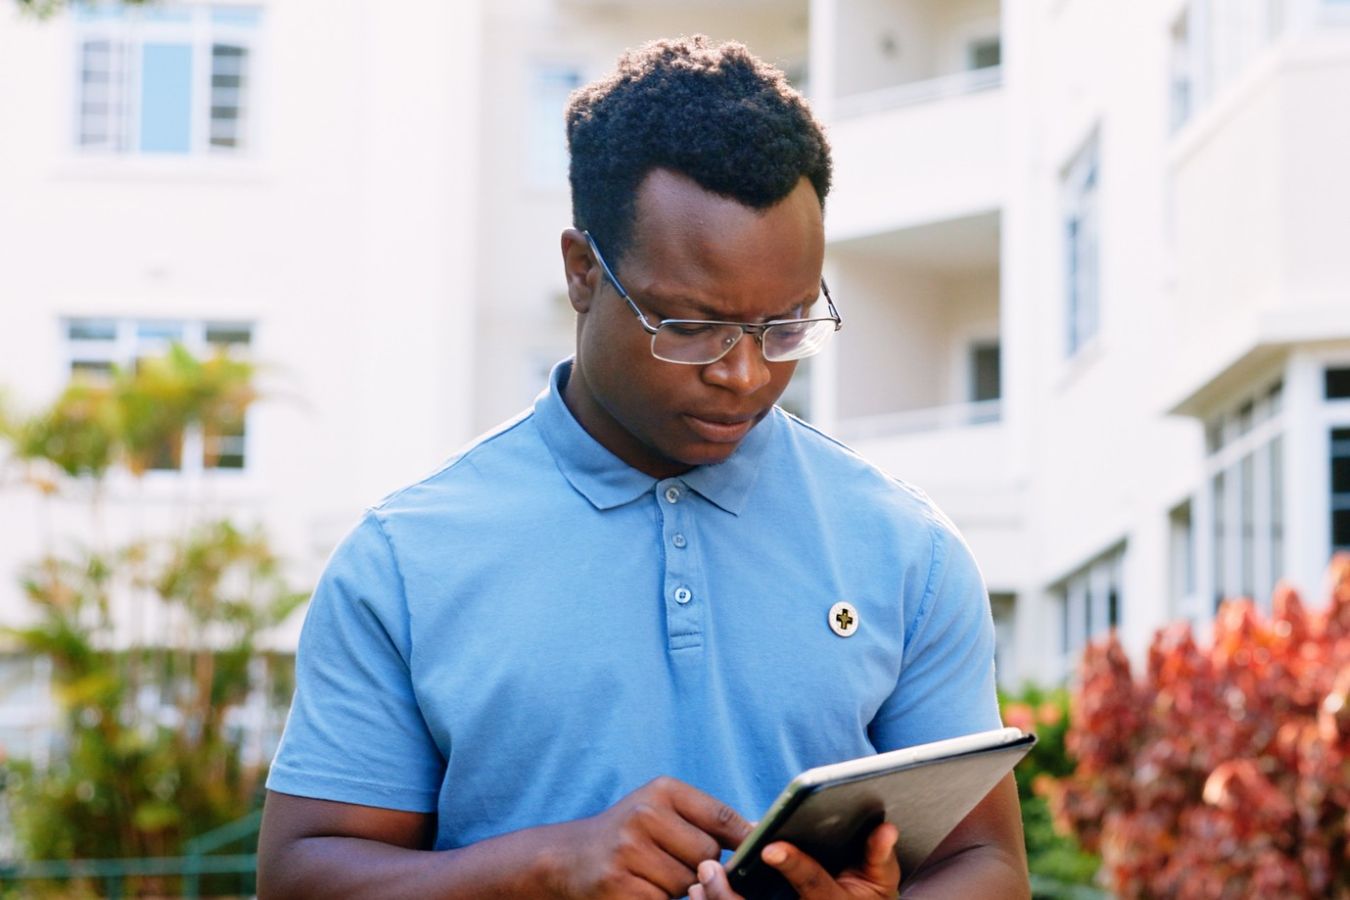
pixel 640 847
pixel 709 814
pixel 880 845
pixel 656 867
pixel 685 842
pixel 805 875
pixel 713 883
pixel 879 862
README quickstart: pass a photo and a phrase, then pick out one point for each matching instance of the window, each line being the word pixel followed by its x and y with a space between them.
pixel 984 382
pixel 1004 609
pixel 1336 382
pixel 1214 42
pixel 1090 602
pixel 1340 489
pixel 550 86
pixel 1181 563
pixel 1081 223
pixel 985 372
pixel 164 80
pixel 1182 78
pixel 26 712
pixel 95 346
pixel 1245 497
pixel 984 54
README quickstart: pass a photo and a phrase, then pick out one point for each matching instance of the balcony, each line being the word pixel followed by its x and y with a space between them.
pixel 917 153
pixel 912 93
pixel 962 456
pixel 1258 198
pixel 916 421
pixel 916 376
pixel 921 326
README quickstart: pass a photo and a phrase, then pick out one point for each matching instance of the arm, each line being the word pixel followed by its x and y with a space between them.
pixel 984 856
pixel 648 845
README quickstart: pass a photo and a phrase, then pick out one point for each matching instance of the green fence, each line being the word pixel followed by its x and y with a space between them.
pixel 199 860
pixel 1044 888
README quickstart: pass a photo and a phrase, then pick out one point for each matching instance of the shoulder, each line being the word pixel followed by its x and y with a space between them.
pixel 490 462
pixel 843 478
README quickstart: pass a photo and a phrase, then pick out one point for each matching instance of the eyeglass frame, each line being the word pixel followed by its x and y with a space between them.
pixel 756 329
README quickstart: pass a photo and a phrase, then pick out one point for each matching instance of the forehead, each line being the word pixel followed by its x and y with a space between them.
pixel 691 243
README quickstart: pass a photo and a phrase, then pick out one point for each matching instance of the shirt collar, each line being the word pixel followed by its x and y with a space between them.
pixel 607 481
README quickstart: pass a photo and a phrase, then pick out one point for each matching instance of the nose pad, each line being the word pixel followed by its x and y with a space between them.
pixel 743 370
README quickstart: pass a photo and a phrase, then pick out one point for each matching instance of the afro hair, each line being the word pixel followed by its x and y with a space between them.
pixel 712 112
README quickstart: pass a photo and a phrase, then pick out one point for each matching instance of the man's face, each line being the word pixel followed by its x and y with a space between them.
pixel 695 255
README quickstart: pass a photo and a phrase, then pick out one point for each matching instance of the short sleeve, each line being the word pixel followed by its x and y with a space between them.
pixel 355 733
pixel 946 686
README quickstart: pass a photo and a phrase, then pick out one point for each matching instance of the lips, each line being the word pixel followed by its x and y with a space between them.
pixel 720 430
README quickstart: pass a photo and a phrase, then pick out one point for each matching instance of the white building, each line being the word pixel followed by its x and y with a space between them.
pixel 1090 259
pixel 1140 226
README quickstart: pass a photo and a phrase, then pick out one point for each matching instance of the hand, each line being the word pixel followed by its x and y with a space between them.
pixel 648 845
pixel 878 877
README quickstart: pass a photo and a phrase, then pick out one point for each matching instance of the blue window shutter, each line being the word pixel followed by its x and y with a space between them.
pixel 166 98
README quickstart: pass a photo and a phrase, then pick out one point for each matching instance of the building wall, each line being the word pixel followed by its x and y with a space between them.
pixel 524 322
pixel 344 241
pixel 395 239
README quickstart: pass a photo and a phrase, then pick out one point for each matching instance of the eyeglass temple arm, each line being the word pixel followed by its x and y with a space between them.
pixel 609 274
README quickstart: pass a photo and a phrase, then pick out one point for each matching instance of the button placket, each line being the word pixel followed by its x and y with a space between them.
pixel 680 588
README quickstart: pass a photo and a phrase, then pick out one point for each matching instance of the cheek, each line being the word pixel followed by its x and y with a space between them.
pixel 781 374
pixel 631 381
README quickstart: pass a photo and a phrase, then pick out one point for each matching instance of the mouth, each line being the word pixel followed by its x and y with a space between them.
pixel 718 430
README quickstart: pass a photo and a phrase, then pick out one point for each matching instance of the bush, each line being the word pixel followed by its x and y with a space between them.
pixel 1049 854
pixel 1223 772
pixel 162 689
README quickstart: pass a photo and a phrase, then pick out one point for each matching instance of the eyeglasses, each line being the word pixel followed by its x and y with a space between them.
pixel 701 342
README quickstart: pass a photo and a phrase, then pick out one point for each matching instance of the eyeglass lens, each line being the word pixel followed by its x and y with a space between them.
pixel 698 344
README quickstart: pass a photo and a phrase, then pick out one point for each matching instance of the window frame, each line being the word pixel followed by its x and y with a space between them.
pixel 201 28
pixel 545 158
pixel 1081 245
pixel 1091 601
pixel 1241 512
pixel 127 343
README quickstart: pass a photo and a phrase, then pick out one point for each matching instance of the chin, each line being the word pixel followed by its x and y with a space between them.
pixel 708 454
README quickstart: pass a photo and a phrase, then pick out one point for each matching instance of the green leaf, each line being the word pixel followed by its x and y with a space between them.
pixel 155 815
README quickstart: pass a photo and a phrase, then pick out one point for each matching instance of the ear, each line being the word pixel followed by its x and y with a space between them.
pixel 579 268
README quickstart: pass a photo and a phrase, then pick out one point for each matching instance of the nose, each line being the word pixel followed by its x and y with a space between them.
pixel 743 370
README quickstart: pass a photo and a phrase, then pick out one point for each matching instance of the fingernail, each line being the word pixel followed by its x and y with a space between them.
pixel 774 854
pixel 706 870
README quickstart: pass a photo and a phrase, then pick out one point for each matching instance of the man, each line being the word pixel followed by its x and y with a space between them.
pixel 572 661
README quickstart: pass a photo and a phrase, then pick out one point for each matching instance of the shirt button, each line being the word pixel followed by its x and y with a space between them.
pixel 672 494
pixel 679 541
pixel 683 595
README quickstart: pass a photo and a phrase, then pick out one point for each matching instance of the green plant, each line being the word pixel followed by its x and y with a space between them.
pixel 43 9
pixel 153 642
pixel 1224 771
pixel 1049 853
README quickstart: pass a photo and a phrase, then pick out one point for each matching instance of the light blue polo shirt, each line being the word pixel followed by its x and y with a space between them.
pixel 537 629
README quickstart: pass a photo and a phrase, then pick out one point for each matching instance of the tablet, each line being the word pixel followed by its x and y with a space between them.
pixel 829 811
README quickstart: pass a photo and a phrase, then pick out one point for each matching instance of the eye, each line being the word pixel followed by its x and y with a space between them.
pixel 687 329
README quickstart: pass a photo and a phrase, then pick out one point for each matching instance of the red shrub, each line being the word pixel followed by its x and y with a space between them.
pixel 1223 772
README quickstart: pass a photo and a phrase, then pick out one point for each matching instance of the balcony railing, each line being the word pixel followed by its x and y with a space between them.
pixel 912 92
pixel 956 415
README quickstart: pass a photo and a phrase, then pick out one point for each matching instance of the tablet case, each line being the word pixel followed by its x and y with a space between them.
pixel 831 821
